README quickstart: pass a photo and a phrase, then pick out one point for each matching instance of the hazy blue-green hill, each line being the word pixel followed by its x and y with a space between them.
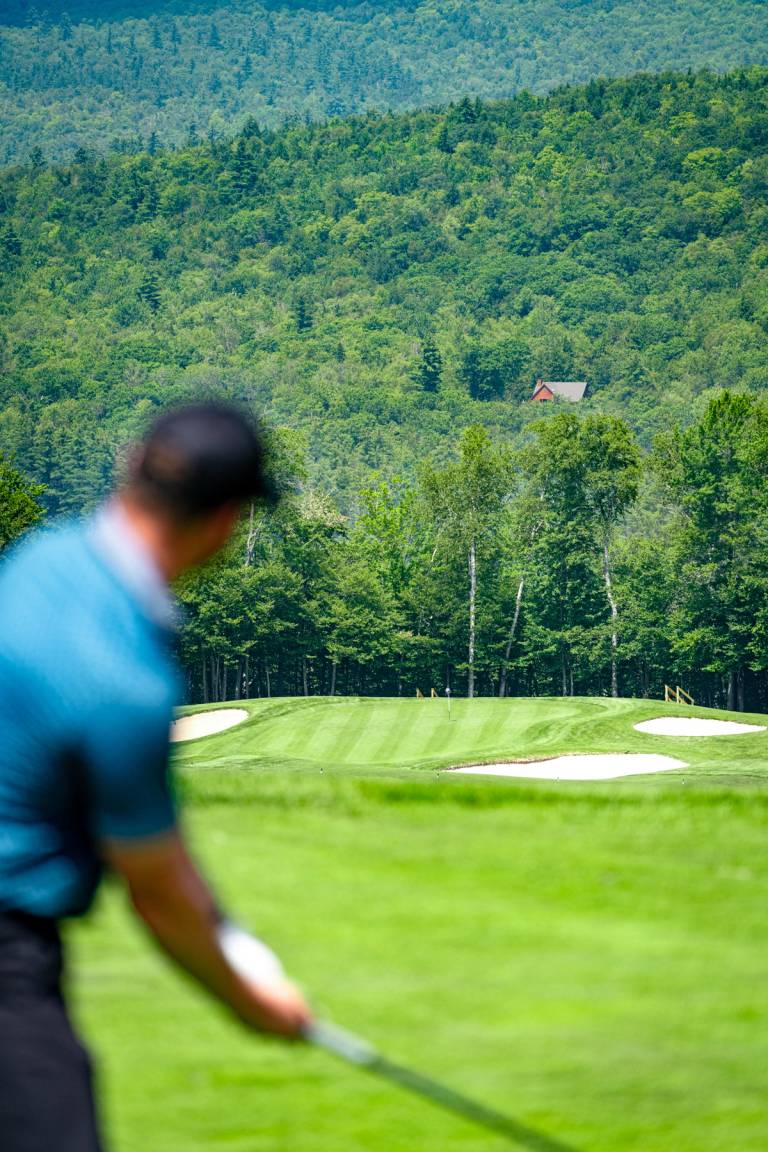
pixel 86 74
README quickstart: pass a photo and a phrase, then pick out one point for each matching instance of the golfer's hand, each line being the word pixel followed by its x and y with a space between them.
pixel 278 1008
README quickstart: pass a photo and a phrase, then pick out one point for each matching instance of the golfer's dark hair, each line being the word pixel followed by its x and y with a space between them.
pixel 196 459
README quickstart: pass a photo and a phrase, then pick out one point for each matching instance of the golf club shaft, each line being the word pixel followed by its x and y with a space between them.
pixel 354 1050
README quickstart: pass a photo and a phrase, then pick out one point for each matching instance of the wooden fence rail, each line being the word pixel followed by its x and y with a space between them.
pixel 677 695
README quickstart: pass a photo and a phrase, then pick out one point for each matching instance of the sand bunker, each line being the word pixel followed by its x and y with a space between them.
pixel 606 767
pixel 693 726
pixel 206 723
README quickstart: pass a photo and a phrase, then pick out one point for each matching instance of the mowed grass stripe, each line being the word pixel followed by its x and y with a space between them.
pixel 495 728
pixel 335 733
pixel 360 739
pixel 399 736
pixel 395 734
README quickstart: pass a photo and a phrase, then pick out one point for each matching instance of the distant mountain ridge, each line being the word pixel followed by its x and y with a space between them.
pixel 26 12
pixel 147 73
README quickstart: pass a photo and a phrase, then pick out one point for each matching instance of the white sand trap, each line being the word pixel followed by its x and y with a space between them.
pixel 206 723
pixel 693 726
pixel 607 767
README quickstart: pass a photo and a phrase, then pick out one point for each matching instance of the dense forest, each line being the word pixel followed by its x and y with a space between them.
pixel 387 289
pixel 576 565
pixel 382 282
pixel 133 75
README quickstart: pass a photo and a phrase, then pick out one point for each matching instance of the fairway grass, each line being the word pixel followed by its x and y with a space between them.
pixel 589 957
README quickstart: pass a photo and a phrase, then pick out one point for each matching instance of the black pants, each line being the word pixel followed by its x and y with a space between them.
pixel 46 1097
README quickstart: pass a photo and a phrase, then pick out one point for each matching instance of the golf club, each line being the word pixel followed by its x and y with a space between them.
pixel 355 1050
pixel 254 961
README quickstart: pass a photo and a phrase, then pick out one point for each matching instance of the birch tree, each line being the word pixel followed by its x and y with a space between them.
pixel 521 531
pixel 612 470
pixel 465 498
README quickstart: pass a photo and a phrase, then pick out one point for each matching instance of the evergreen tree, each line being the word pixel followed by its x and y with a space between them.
pixel 303 314
pixel 10 247
pixel 149 290
pixel 443 139
pixel 244 169
pixel 430 369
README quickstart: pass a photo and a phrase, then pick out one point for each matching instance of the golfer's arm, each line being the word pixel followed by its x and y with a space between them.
pixel 174 902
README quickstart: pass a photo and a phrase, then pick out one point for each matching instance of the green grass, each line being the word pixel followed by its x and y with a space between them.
pixel 587 957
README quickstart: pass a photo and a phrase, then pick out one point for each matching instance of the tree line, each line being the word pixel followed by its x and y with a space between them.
pixel 575 565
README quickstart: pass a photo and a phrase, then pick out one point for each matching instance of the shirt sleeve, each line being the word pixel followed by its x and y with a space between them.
pixel 128 780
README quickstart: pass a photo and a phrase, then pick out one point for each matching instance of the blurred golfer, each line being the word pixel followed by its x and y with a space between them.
pixel 87 684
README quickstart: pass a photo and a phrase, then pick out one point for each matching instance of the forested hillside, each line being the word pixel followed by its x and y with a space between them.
pixel 92 74
pixel 378 283
pixel 388 288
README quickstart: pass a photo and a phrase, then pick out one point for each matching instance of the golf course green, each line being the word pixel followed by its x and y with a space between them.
pixel 590 958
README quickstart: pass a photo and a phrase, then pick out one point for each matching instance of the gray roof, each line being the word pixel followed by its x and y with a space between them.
pixel 568 389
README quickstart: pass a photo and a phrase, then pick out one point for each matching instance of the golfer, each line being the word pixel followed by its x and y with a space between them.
pixel 87 685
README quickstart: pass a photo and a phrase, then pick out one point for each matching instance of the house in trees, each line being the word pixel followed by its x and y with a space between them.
pixel 572 390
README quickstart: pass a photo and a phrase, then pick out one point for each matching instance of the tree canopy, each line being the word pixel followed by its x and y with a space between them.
pixel 19 504
pixel 358 282
pixel 387 289
pixel 103 73
pixel 576 565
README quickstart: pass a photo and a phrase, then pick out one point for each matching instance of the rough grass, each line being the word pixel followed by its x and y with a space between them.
pixel 588 957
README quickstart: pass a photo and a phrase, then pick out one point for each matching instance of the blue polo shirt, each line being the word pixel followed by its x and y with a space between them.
pixel 87 686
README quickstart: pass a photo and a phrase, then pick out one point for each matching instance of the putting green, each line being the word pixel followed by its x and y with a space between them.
pixel 368 736
pixel 590 959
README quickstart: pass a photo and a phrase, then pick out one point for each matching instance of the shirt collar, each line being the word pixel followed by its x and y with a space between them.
pixel 123 550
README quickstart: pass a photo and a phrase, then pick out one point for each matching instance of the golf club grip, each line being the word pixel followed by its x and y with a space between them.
pixel 357 1051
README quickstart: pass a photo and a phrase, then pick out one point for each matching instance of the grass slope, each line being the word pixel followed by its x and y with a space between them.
pixel 589 957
